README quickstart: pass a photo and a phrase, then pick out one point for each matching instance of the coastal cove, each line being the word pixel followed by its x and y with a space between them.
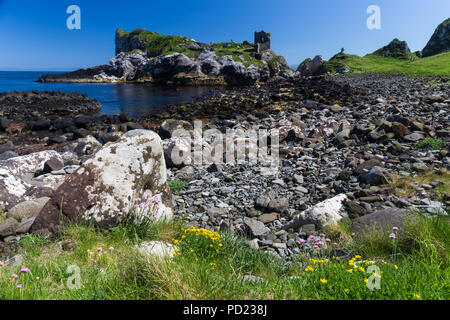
pixel 116 98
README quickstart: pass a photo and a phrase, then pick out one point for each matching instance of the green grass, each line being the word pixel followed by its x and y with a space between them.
pixel 209 265
pixel 176 185
pixel 431 143
pixel 438 65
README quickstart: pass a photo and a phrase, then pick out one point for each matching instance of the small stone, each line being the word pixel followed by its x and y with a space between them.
pixel 414 137
pixel 253 244
pixel 298 178
pixel 419 166
pixel 268 217
pixel 8 227
pixel 256 227
pixel 279 205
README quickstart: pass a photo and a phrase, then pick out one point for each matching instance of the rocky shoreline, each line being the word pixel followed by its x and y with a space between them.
pixel 341 139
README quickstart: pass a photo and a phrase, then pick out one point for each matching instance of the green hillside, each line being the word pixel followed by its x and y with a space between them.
pixel 412 65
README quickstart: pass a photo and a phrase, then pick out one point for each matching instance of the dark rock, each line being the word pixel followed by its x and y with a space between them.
pixel 355 209
pixel 4 124
pixel 41 124
pixel 440 40
pixel 7 146
pixel 399 130
pixel 382 220
pixel 83 121
pixel 8 155
pixel 374 176
pixel 54 164
pixel 369 164
pixel 63 124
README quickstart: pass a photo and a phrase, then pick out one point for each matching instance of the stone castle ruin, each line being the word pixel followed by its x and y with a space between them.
pixel 262 41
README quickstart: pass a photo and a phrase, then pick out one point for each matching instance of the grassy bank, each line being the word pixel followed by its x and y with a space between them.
pixel 438 65
pixel 209 265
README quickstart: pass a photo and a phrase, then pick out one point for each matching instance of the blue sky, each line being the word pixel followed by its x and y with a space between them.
pixel 34 33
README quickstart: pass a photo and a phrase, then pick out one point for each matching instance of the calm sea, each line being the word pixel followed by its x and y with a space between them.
pixel 132 99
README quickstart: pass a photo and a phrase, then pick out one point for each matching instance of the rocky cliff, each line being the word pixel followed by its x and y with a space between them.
pixel 440 40
pixel 144 56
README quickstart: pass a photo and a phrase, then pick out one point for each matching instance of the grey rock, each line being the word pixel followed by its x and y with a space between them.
pixel 374 176
pixel 27 209
pixel 25 225
pixel 8 227
pixel 8 155
pixel 280 205
pixel 382 220
pixel 256 228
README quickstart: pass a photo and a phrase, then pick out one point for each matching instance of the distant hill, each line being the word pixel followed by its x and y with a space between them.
pixel 397 58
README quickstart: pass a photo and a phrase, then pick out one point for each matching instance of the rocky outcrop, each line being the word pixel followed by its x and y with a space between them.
pixel 126 42
pixel 395 49
pixel 16 104
pixel 139 58
pixel 440 40
pixel 312 67
pixel 101 190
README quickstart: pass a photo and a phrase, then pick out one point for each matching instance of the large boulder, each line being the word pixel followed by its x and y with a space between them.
pixel 102 190
pixel 381 220
pixel 321 214
pixel 312 67
pixel 21 178
pixel 440 40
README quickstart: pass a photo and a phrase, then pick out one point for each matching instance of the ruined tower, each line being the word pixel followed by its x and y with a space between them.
pixel 262 41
